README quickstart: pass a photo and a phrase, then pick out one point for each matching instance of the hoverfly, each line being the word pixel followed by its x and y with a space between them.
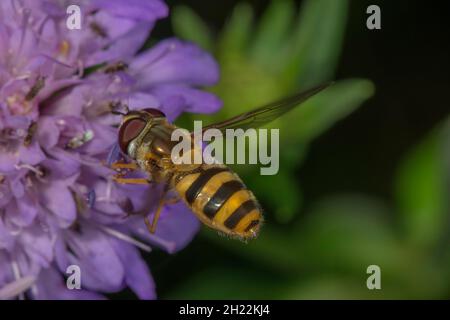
pixel 98 30
pixel 216 195
pixel 116 67
pixel 30 134
pixel 34 90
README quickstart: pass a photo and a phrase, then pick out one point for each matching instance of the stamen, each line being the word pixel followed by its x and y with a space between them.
pixel 29 167
pixel 168 245
pixel 44 172
pixel 20 133
pixel 108 190
pixel 80 65
pixel 25 76
pixel 121 236
pixel 28 182
pixel 40 28
pixel 56 61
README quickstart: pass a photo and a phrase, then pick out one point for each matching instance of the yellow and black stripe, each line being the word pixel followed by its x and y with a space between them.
pixel 220 200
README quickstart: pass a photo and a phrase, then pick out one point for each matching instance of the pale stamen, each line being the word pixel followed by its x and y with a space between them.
pixel 26 15
pixel 57 61
pixel 108 190
pixel 169 245
pixel 38 172
pixel 121 236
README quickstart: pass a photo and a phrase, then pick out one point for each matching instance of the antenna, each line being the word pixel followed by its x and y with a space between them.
pixel 114 105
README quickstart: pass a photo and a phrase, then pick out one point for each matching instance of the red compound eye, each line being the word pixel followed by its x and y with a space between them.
pixel 155 113
pixel 128 131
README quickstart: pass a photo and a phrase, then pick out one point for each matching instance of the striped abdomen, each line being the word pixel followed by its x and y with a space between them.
pixel 220 200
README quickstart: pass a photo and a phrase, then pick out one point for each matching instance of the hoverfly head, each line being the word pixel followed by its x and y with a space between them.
pixel 133 123
pixel 154 113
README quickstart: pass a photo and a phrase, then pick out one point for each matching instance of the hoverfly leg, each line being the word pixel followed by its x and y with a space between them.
pixel 123 165
pixel 121 180
pixel 162 201
pixel 122 168
pixel 173 200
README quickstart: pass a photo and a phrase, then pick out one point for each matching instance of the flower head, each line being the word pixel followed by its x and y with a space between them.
pixel 58 203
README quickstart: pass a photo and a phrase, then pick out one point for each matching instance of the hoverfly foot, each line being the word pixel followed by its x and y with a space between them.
pixel 118 178
pixel 123 165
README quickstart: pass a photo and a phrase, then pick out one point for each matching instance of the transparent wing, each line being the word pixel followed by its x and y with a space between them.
pixel 267 113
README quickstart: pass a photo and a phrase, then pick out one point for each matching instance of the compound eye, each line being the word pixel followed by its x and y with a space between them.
pixel 155 113
pixel 128 131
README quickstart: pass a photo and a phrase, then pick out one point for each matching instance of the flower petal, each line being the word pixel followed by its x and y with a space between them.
pixel 141 100
pixel 61 166
pixel 22 211
pixel 6 239
pixel 38 245
pixel 124 47
pixel 175 61
pixel 177 98
pixel 176 228
pixel 103 139
pixel 51 286
pixel 148 10
pixel 47 132
pixel 57 197
pixel 101 267
pixel 137 275
pixel 32 154
pixel 7 161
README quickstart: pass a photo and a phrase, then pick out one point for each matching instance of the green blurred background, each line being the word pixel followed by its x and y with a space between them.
pixel 365 166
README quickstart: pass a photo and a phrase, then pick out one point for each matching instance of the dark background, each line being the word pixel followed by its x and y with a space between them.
pixel 409 62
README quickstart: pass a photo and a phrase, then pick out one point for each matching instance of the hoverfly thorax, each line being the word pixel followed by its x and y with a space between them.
pixel 134 126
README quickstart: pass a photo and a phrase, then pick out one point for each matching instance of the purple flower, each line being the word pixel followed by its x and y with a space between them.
pixel 58 203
